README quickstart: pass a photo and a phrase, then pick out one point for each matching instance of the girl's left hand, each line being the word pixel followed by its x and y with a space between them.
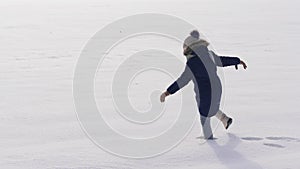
pixel 163 96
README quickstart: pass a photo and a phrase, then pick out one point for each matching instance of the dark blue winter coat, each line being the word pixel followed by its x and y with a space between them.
pixel 201 68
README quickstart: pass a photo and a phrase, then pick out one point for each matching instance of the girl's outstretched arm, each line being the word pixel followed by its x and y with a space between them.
pixel 224 61
pixel 183 80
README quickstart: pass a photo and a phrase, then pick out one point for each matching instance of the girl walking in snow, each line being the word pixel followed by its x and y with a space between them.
pixel 201 68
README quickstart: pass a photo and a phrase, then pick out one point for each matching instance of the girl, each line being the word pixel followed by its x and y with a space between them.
pixel 201 69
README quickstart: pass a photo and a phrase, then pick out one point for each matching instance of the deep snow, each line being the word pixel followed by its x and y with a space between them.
pixel 40 43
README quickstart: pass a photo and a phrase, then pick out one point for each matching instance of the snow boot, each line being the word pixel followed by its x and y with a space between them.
pixel 227 121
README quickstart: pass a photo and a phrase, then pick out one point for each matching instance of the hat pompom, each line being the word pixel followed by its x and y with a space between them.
pixel 195 34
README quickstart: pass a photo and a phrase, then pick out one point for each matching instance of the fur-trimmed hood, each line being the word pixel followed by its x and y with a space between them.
pixel 197 43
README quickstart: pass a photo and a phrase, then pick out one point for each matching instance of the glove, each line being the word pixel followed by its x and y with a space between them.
pixel 163 96
pixel 242 63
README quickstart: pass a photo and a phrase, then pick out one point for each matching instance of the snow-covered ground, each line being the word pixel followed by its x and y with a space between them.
pixel 40 42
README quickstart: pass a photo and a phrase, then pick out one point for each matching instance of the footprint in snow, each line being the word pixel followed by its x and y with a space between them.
pixel 288 139
pixel 252 138
pixel 274 145
pixel 271 138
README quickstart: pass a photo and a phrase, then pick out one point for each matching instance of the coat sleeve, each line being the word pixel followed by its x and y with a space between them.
pixel 183 80
pixel 224 61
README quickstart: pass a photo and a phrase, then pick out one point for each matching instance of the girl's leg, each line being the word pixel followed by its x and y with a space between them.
pixel 207 132
pixel 224 119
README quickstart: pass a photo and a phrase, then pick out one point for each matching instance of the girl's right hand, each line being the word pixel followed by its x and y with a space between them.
pixel 244 64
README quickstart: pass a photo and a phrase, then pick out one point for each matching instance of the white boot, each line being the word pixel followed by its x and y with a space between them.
pixel 227 121
pixel 206 128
